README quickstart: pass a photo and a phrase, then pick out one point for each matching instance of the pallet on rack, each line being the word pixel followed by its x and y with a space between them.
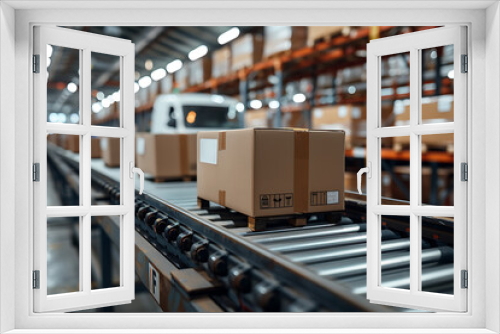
pixel 257 224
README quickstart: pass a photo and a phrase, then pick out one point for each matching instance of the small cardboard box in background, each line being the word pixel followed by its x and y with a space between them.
pixel 200 71
pixel 95 147
pixel 221 61
pixel 165 156
pixel 72 143
pixel 182 78
pixel 317 32
pixel 278 39
pixel 272 172
pixel 246 51
pixel 110 150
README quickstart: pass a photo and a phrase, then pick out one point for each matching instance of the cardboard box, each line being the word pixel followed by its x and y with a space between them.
pixel 434 110
pixel 110 150
pixel 200 71
pixel 257 118
pixel 272 172
pixel 72 143
pixel 95 147
pixel 283 38
pixel 182 78
pixel 315 33
pixel 246 51
pixel 221 62
pixel 166 155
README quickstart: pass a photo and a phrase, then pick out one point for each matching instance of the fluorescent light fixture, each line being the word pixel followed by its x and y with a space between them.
pixel 136 87
pixel 198 52
pixel 106 103
pixel 351 90
pixel 116 96
pixel 111 99
pixel 228 36
pixel 148 65
pixel 217 98
pixel 451 74
pixel 299 98
pixel 100 96
pixel 240 107
pixel 158 74
pixel 145 81
pixel 49 50
pixel 74 118
pixel 231 114
pixel 96 107
pixel 53 118
pixel 62 117
pixel 256 104
pixel 72 87
pixel 174 66
pixel 274 104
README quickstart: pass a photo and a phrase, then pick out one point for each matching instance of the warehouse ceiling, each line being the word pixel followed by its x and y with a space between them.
pixel 155 48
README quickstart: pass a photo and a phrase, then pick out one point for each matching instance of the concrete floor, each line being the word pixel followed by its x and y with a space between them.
pixel 63 260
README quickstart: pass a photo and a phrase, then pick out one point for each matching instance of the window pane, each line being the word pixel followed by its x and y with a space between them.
pixel 105 89
pixel 395 89
pixel 63 98
pixel 63 180
pixel 106 160
pixel 63 255
pixel 395 265
pixel 437 85
pixel 437 169
pixel 437 254
pixel 105 260
pixel 395 171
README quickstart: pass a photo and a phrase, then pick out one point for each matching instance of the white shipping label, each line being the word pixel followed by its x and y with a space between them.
pixel 140 146
pixel 332 197
pixel 208 150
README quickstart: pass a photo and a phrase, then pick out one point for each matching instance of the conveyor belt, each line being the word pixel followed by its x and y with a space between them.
pixel 319 267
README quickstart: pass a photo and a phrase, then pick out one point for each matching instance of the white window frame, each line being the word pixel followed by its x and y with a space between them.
pixel 484 48
pixel 85 43
pixel 412 44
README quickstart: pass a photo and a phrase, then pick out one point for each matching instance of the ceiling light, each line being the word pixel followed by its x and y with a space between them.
pixel 136 87
pixel 48 62
pixel 240 107
pixel 53 118
pixel 99 96
pixel 148 65
pixel 451 74
pixel 198 52
pixel 72 87
pixel 96 107
pixel 228 36
pixel 49 50
pixel 106 103
pixel 274 104
pixel 174 66
pixel 74 118
pixel 256 104
pixel 351 90
pixel 62 117
pixel 116 96
pixel 158 74
pixel 299 98
pixel 145 81
pixel 111 99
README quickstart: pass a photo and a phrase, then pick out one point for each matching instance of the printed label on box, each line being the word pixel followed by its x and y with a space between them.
pixel 154 283
pixel 270 201
pixel 332 197
pixel 208 150
pixel 141 146
pixel 319 198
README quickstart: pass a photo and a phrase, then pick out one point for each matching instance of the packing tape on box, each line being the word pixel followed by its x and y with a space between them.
pixel 184 155
pixel 301 171
pixel 222 197
pixel 222 141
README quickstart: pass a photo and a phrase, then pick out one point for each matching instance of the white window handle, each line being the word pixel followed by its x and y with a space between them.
pixel 368 171
pixel 139 171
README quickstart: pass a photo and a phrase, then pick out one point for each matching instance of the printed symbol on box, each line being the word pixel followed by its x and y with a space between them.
pixel 264 201
pixel 277 201
pixel 332 197
pixel 323 198
pixel 288 200
pixel 314 199
pixel 154 283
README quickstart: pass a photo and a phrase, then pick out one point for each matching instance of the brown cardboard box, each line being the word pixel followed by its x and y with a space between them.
pixel 272 172
pixel 110 150
pixel 257 118
pixel 182 78
pixel 221 61
pixel 72 143
pixel 246 51
pixel 314 33
pixel 95 147
pixel 166 155
pixel 437 110
pixel 200 71
pixel 283 38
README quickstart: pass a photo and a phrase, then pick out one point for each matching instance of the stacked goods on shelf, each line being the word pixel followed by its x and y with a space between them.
pixel 278 39
pixel 56 139
pixel 200 71
pixel 166 156
pixel 182 78
pixel 315 33
pixel 110 151
pixel 434 110
pixel 72 143
pixel 95 147
pixel 444 186
pixel 257 118
pixel 246 51
pixel 294 119
pixel 272 172
pixel 167 84
pixel 153 91
pixel 221 62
